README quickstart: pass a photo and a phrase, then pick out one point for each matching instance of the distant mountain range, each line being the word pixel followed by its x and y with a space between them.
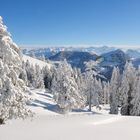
pixel 106 57
pixel 53 50
pixel 50 51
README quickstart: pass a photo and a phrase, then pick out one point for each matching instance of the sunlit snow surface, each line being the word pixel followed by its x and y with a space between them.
pixel 34 61
pixel 80 125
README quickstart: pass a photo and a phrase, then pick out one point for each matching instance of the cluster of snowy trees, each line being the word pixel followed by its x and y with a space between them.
pixel 32 75
pixel 13 92
pixel 36 77
pixel 65 88
pixel 73 89
pixel 125 91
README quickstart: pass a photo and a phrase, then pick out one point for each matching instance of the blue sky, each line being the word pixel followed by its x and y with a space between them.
pixel 57 22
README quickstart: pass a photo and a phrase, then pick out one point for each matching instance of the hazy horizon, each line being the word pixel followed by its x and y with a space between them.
pixel 80 46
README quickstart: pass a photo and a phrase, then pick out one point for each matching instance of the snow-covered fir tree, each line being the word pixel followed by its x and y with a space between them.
pixel 80 79
pixel 13 95
pixel 114 91
pixel 48 76
pixel 91 89
pixel 23 74
pixel 34 75
pixel 135 110
pixel 135 103
pixel 128 85
pixel 106 92
pixel 65 89
pixel 39 81
pixel 30 70
pixel 99 90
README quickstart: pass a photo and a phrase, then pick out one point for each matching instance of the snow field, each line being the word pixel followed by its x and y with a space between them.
pixel 49 125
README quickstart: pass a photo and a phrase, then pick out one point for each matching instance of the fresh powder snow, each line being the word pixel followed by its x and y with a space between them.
pixel 49 125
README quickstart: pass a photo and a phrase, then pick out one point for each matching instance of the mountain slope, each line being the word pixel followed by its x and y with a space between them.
pixel 34 61
pixel 76 59
pixel 112 59
pixel 136 62
pixel 133 53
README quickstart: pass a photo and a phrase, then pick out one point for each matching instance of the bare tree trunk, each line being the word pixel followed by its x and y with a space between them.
pixel 1 121
pixel 89 102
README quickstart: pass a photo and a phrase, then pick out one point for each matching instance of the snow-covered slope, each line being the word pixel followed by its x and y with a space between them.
pixel 49 125
pixel 43 103
pixel 36 61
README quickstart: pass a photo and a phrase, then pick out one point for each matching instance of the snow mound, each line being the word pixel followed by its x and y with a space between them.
pixel 34 61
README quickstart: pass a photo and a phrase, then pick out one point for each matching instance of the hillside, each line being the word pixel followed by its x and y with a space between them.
pixel 34 61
